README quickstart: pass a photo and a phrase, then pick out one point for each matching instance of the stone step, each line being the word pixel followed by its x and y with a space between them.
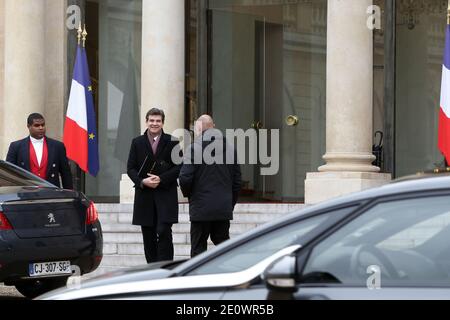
pixel 126 207
pixel 234 228
pixel 111 239
pixel 114 262
pixel 182 228
pixel 138 249
pixel 179 228
pixel 123 261
pixel 120 228
pixel 118 238
pixel 109 248
pixel 126 218
pixel 279 208
pixel 102 270
pixel 123 246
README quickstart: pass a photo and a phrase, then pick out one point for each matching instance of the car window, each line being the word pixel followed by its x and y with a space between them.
pixel 11 176
pixel 405 240
pixel 257 249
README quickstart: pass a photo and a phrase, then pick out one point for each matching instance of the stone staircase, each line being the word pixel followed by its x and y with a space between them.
pixel 123 245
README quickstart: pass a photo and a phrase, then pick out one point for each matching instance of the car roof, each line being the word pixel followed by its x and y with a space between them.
pixel 423 181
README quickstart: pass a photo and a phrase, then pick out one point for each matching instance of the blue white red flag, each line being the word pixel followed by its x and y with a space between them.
pixel 80 130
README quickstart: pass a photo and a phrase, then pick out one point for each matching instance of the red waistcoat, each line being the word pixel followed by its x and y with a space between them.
pixel 40 171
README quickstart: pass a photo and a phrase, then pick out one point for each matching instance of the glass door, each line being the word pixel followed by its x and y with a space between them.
pixel 267 65
pixel 420 39
pixel 238 81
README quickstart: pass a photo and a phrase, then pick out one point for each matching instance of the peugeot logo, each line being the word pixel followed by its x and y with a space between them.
pixel 51 218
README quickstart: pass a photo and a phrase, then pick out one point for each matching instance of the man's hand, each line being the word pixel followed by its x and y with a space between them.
pixel 152 181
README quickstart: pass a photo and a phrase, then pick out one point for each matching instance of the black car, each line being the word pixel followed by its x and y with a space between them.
pixel 46 233
pixel 391 242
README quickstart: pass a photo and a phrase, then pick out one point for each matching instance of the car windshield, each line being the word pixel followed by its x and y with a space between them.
pixel 255 250
pixel 13 176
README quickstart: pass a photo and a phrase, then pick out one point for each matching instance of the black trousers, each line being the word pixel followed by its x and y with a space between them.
pixel 219 231
pixel 158 242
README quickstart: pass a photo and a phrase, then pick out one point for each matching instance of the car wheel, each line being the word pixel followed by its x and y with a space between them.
pixel 34 288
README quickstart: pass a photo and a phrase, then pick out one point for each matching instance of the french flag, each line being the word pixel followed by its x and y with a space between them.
pixel 444 113
pixel 80 130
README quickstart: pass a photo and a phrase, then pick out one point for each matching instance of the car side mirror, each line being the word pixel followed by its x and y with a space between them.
pixel 281 274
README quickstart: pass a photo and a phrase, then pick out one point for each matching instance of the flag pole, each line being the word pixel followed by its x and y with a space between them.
pixel 80 31
pixel 84 36
pixel 448 13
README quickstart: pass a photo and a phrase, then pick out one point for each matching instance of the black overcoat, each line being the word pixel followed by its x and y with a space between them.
pixel 19 154
pixel 162 201
pixel 212 189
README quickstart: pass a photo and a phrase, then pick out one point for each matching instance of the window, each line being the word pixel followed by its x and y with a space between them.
pixel 266 64
pixel 257 249
pixel 406 239
pixel 420 39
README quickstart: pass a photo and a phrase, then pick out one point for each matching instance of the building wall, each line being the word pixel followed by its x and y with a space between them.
pixel 419 71
pixel 33 42
pixel 56 87
pixel 32 66
pixel 3 135
pixel 24 47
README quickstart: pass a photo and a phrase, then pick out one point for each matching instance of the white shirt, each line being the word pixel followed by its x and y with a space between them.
pixel 38 146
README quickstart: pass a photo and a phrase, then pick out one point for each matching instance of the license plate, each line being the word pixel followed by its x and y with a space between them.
pixel 49 268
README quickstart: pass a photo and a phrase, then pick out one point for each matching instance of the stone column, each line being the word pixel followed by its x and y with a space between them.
pixel 163 68
pixel 349 156
pixel 24 67
pixel 56 92
pixel 3 135
pixel 163 60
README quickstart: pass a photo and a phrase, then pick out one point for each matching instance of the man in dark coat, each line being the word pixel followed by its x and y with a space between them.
pixel 154 174
pixel 212 186
pixel 41 155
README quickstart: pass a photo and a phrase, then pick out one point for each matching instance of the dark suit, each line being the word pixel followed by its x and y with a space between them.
pixel 213 191
pixel 19 154
pixel 155 210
